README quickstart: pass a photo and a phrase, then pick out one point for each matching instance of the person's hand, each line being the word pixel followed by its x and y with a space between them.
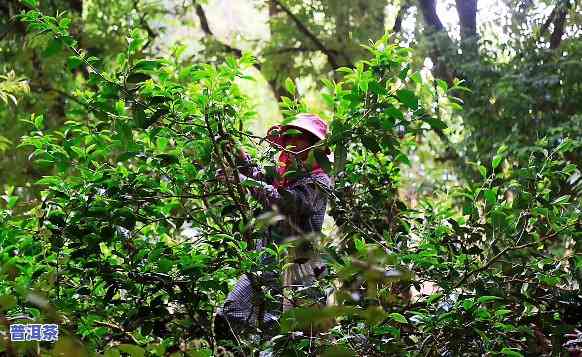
pixel 222 177
pixel 274 133
pixel 226 143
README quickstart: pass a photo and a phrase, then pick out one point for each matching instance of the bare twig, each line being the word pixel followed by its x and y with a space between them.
pixel 208 31
pixel 499 255
pixel 331 54
pixel 117 328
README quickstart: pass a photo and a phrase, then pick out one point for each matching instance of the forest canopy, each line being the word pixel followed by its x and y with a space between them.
pixel 453 135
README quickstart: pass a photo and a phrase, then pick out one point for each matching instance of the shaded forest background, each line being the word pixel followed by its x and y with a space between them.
pixel 454 224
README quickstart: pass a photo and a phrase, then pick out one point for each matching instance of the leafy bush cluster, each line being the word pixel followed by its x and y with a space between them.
pixel 488 267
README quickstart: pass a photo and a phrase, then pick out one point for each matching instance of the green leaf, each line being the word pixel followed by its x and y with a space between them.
pixel 376 88
pixel 363 85
pixel 383 330
pixel 404 72
pixel 436 123
pixel 468 304
pixel 65 23
pixel 502 312
pixel 11 201
pixel 442 85
pixel 502 149
pixel 147 65
pixel 327 83
pixel 132 350
pixel 416 77
pixel 344 70
pixel 7 302
pixel 290 86
pixel 165 265
pixel 249 182
pixel 30 3
pixel 53 47
pixel 136 78
pixel 49 181
pixel 491 195
pixel 104 249
pixel 74 62
pixel 488 298
pixel 434 297
pixel 483 171
pixel 398 318
pixel 561 200
pixel 496 161
pixel 408 98
pixel 394 112
pixel 403 159
pixel 455 106
pixel 511 352
pixel 322 160
pixel 39 122
pixel 482 313
pixel 360 244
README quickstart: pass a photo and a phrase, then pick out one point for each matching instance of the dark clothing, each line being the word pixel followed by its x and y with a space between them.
pixel 303 205
pixel 303 202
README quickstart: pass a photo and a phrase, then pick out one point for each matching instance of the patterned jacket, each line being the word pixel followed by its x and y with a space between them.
pixel 303 205
pixel 303 202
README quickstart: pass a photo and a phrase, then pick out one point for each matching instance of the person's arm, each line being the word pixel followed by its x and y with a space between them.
pixel 248 168
pixel 299 199
pixel 245 164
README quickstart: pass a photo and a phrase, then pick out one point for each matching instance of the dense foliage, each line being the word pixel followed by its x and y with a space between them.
pixel 121 234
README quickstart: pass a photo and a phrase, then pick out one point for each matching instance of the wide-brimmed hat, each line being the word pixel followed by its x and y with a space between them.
pixel 306 122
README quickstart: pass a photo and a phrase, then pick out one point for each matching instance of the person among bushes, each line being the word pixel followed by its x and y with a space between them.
pixel 298 193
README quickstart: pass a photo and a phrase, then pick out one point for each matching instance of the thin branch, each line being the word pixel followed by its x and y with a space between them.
pixel 117 328
pixel 303 29
pixel 143 21
pixel 499 255
pixel 281 148
pixel 39 87
pixel 209 194
pixel 208 31
pixel 277 51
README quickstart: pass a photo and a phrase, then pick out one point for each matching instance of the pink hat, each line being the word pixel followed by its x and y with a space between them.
pixel 307 122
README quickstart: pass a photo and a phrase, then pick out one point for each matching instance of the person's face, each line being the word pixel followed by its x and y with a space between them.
pixel 297 142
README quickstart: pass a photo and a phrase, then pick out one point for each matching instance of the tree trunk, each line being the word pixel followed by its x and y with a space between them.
pixel 400 16
pixel 467 10
pixel 431 19
pixel 559 24
pixel 442 48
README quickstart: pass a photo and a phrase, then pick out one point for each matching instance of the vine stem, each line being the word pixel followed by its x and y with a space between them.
pixel 499 255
